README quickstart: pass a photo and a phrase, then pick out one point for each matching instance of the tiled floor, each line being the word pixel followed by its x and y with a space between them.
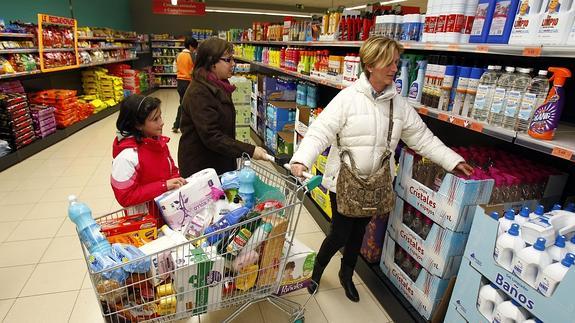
pixel 42 271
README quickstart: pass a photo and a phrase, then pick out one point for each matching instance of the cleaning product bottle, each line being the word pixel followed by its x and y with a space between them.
pixel 415 89
pixel 556 23
pixel 87 228
pixel 445 87
pixel 533 320
pixel 229 220
pixel 471 92
pixel 571 245
pixel 546 117
pixel 504 84
pixel 402 80
pixel 509 311
pixel 461 90
pixel 527 21
pixel 523 216
pixel 534 229
pixel 484 95
pixel 502 23
pixel 530 262
pixel 247 178
pixel 570 207
pixel 506 221
pixel 507 247
pixel 558 251
pixel 514 96
pixel 489 296
pixel 469 18
pixel 533 98
pixel 482 22
pixel 553 275
pixel 539 212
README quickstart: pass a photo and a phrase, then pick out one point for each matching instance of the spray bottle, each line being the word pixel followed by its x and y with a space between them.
pixel 415 89
pixel 402 80
pixel 546 117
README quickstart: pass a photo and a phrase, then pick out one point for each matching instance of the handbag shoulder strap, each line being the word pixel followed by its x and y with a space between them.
pixel 390 127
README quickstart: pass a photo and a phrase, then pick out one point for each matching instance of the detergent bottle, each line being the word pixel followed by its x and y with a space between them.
pixel 527 22
pixel 502 23
pixel 546 117
pixel 556 22
pixel 416 89
pixel 402 80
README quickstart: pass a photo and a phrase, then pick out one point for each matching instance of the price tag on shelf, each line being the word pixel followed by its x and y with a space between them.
pixel 406 45
pixel 532 51
pixel 483 48
pixel 476 126
pixel 443 117
pixel 428 46
pixel 457 121
pixel 453 47
pixel 562 153
pixel 424 111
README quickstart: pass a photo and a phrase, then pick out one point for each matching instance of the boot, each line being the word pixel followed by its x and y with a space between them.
pixel 316 277
pixel 345 274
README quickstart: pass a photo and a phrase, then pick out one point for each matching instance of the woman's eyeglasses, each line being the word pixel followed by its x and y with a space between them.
pixel 227 59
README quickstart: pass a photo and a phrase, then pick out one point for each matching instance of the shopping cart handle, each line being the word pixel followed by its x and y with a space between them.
pixel 312 181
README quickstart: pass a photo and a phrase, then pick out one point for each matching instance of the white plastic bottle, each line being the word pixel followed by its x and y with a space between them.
pixel 514 96
pixel 530 262
pixel 553 274
pixel 506 221
pixel 402 79
pixel 539 212
pixel 416 87
pixel 489 296
pixel 484 94
pixel 527 22
pixel 571 245
pixel 510 311
pixel 504 84
pixel 507 247
pixel 533 320
pixel 472 85
pixel 470 8
pixel 523 216
pixel 532 99
pixel 558 250
pixel 557 20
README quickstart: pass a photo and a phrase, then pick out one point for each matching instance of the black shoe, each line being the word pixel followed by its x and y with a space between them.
pixel 315 277
pixel 345 274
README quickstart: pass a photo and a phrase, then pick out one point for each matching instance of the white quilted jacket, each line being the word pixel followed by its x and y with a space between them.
pixel 362 123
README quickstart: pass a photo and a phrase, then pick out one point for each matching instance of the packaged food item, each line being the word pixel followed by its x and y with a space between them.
pixel 136 230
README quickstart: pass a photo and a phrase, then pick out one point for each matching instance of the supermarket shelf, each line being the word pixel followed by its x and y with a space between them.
pixel 390 298
pixel 52 50
pixel 177 47
pixel 562 146
pixel 12 75
pixel 144 52
pixel 167 86
pixel 18 51
pixel 164 56
pixel 165 74
pixel 16 35
pixel 497 132
pixel 108 39
pixel 106 48
pixel 168 40
pixel 109 62
pixel 498 49
pixel 163 65
pixel 296 74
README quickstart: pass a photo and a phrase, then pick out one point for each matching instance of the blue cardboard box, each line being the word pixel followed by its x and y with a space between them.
pixel 279 114
pixel 277 88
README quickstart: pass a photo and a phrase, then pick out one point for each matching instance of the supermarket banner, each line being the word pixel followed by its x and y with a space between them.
pixel 184 8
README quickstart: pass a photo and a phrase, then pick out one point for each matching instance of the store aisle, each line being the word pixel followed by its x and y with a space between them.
pixel 42 271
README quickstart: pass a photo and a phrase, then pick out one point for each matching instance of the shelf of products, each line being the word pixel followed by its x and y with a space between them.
pixel 110 39
pixel 105 48
pixel 175 47
pixel 164 56
pixel 18 74
pixel 19 51
pixel 108 62
pixel 167 86
pixel 167 40
pixel 16 35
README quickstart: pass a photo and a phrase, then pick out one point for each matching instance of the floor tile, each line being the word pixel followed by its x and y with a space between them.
pixel 87 309
pixel 49 308
pixel 23 197
pixel 70 181
pixel 68 228
pixel 312 311
pixel 98 180
pixel 6 229
pixel 49 171
pixel 8 185
pixel 306 223
pixel 87 161
pixel 62 249
pixel 103 191
pixel 48 210
pixel 35 183
pixel 22 252
pixel 337 308
pixel 36 229
pixel 5 306
pixel 18 212
pixel 87 283
pixel 252 315
pixel 80 170
pixel 55 277
pixel 61 194
pixel 13 279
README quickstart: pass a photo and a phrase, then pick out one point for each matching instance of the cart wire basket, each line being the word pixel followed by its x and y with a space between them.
pixel 197 277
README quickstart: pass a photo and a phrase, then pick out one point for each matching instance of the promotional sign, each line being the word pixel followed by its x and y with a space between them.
pixel 182 8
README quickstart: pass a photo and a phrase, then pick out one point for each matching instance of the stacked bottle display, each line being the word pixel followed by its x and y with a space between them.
pixel 407 263
pixel 416 221
pixel 496 306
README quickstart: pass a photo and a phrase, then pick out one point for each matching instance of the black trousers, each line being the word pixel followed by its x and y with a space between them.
pixel 345 232
pixel 182 87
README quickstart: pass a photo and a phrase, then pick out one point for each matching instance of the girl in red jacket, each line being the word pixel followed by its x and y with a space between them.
pixel 142 168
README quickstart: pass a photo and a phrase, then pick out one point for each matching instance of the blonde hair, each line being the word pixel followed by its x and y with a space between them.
pixel 378 51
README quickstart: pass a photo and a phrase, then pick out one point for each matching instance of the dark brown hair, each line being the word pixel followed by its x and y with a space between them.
pixel 209 53
pixel 133 113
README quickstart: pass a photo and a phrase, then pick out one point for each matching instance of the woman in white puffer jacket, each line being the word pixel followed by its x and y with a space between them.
pixel 359 114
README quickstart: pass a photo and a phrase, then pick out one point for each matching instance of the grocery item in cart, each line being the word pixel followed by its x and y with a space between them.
pixel 298 266
pixel 127 253
pixel 87 228
pixel 159 250
pixel 101 261
pixel 179 206
pixel 230 219
pixel 272 250
pixel 136 230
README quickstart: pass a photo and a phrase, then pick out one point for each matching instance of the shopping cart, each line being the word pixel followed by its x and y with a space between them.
pixel 197 277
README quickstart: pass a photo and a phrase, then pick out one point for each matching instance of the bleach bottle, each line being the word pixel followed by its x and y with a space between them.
pixel 506 221
pixel 482 22
pixel 416 88
pixel 539 212
pixel 510 311
pixel 523 216
pixel 247 178
pixel 507 247
pixel 558 250
pixel 531 261
pixel 556 22
pixel 88 229
pixel 527 22
pixel 489 296
pixel 503 17
pixel 546 117
pixel 553 275
pixel 402 80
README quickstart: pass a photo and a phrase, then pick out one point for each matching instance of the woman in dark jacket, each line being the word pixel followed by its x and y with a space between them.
pixel 208 122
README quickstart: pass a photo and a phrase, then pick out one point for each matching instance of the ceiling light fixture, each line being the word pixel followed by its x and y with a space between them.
pixel 259 12
pixel 357 7
pixel 391 2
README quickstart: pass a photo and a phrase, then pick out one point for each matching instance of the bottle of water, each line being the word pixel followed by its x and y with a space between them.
pixel 87 228
pixel 504 84
pixel 247 178
pixel 484 94
pixel 514 97
pixel 471 92
pixel 532 99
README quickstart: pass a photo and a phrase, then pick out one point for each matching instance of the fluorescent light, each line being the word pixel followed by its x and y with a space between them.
pixel 259 12
pixel 174 2
pixel 391 2
pixel 357 7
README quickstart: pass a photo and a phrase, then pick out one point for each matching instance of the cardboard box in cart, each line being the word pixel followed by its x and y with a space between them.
pixel 298 267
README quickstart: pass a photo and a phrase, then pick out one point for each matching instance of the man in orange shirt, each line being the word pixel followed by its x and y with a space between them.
pixel 185 67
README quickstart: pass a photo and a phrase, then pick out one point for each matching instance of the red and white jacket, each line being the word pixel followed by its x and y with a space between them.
pixel 140 171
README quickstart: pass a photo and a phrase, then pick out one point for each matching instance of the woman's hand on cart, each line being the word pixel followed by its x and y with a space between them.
pixel 260 154
pixel 297 170
pixel 175 183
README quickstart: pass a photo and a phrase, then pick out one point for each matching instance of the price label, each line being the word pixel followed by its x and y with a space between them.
pixel 424 111
pixel 483 48
pixel 453 47
pixel 458 121
pixel 562 153
pixel 406 45
pixel 476 126
pixel 532 51
pixel 428 46
pixel 443 117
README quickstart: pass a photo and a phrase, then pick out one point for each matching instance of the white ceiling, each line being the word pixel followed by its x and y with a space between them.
pixel 328 3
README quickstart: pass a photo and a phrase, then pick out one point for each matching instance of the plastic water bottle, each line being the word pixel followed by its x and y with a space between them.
pixel 531 261
pixel 510 311
pixel 484 95
pixel 504 84
pixel 489 296
pixel 532 99
pixel 553 274
pixel 471 93
pixel 230 219
pixel 506 221
pixel 87 228
pixel 523 216
pixel 507 247
pixel 558 251
pixel 247 178
pixel 539 212
pixel 514 97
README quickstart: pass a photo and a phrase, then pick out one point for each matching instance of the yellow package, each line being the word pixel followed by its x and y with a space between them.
pixel 247 277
